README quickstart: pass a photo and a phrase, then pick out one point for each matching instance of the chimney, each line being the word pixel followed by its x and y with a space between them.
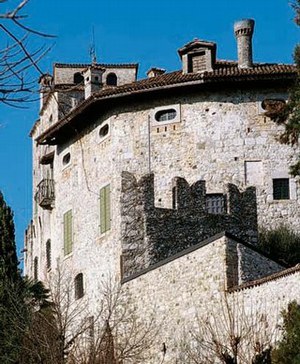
pixel 45 82
pixel 154 72
pixel 198 56
pixel 92 80
pixel 243 30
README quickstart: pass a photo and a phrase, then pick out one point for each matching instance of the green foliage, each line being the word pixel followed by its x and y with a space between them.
pixel 291 120
pixel 282 244
pixel 288 350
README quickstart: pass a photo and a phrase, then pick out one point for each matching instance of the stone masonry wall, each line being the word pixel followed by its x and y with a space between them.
pixel 151 234
pixel 190 287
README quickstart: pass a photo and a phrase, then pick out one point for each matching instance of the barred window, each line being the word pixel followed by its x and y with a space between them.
pixel 166 115
pixel 281 189
pixel 78 282
pixel 215 203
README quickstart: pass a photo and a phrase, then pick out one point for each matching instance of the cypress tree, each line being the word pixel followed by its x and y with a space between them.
pixel 10 284
pixel 8 256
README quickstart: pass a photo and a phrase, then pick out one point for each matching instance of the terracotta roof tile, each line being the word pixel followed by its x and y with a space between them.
pixel 225 71
pixel 270 278
pixel 101 65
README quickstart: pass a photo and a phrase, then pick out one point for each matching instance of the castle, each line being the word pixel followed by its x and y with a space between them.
pixel 162 183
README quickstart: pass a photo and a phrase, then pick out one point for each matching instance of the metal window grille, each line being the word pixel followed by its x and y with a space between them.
pixel 215 203
pixel 281 189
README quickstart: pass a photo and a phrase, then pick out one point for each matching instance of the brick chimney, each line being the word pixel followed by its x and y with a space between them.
pixel 92 80
pixel 243 30
pixel 154 72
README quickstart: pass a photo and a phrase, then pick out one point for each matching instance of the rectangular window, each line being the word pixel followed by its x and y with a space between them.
pixel 105 209
pixel 281 189
pixel 215 203
pixel 68 235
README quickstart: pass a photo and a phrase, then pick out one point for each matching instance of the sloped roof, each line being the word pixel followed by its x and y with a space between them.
pixel 224 72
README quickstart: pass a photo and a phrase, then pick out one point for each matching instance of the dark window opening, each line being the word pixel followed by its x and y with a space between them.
pixel 174 197
pixel 66 159
pixel 35 268
pixel 104 131
pixel 166 115
pixel 281 189
pixel 48 254
pixel 79 286
pixel 111 79
pixel 78 78
pixel 215 203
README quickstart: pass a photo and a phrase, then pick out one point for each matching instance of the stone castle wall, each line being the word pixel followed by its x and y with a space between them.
pixel 151 234
pixel 190 287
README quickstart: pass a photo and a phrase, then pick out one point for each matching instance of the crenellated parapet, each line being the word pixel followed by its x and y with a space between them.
pixel 151 234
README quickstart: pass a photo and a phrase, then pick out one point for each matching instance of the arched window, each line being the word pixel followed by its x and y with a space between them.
pixel 35 268
pixel 78 78
pixel 78 282
pixel 48 254
pixel 111 79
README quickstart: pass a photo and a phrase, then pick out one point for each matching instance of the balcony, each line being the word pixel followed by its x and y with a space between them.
pixel 45 194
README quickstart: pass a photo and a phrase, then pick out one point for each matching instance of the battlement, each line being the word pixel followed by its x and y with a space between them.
pixel 151 234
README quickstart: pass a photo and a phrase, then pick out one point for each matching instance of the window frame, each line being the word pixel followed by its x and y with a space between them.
pixel 281 195
pixel 160 109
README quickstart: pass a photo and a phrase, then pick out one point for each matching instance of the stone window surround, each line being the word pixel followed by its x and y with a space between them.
pixel 66 165
pixel 292 185
pixel 105 137
pixel 177 119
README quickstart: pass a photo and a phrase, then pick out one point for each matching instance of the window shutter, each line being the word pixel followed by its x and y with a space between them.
pixel 105 209
pixel 68 232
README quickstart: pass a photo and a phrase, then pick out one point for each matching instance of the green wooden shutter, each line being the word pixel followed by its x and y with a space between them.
pixel 105 209
pixel 68 232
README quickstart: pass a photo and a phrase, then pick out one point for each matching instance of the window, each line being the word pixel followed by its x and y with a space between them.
pixel 105 209
pixel 78 283
pixel 48 254
pixel 215 203
pixel 281 189
pixel 68 234
pixel 166 115
pixel 104 131
pixel 111 79
pixel 78 78
pixel 35 268
pixel 66 159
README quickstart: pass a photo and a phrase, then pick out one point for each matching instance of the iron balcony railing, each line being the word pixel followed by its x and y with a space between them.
pixel 45 193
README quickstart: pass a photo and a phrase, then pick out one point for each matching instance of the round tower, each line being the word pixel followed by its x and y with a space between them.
pixel 243 30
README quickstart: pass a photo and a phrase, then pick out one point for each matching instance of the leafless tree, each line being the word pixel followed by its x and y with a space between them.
pixel 18 57
pixel 230 334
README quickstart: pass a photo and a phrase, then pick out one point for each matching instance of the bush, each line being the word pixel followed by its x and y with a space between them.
pixel 281 244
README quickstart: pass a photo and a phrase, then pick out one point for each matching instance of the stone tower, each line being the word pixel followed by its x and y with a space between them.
pixel 243 30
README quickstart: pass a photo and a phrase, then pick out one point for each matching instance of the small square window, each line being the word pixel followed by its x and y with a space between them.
pixel 281 189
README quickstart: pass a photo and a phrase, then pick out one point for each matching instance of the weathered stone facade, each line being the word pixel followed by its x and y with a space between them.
pixel 164 148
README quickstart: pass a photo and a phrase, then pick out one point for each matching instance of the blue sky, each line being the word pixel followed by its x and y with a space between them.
pixel 145 31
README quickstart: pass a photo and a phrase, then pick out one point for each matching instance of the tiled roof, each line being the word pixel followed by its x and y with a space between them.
pixel 224 72
pixel 270 278
pixel 102 65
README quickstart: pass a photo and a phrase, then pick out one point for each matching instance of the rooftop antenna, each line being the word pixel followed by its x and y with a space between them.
pixel 93 48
